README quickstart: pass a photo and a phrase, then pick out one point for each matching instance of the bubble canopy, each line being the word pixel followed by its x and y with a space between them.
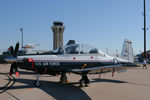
pixel 76 49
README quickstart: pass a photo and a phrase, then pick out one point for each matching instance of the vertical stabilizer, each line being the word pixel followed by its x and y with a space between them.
pixel 127 50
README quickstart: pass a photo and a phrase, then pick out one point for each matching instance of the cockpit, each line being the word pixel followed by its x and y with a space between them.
pixel 76 49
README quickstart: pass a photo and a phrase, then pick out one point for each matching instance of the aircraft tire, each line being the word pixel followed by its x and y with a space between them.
pixel 63 78
pixel 82 82
pixel 37 84
pixel 86 80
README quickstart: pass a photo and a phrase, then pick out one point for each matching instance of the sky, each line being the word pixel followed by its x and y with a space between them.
pixel 100 23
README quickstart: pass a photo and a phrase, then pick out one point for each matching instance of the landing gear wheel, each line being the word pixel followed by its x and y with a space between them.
pixel 63 79
pixel 37 83
pixel 84 81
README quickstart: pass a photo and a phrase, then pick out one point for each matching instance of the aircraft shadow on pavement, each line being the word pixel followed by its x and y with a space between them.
pixel 60 91
pixel 27 73
pixel 107 80
pixel 118 81
pixel 21 72
pixel 55 89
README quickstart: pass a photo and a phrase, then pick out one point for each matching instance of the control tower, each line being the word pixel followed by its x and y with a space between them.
pixel 127 50
pixel 58 30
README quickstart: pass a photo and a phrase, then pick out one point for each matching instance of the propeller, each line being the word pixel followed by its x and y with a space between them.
pixel 14 64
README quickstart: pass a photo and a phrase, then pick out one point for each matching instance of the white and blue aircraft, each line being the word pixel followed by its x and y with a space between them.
pixel 72 58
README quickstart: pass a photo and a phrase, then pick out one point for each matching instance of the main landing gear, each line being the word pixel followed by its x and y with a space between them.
pixel 37 82
pixel 63 78
pixel 84 81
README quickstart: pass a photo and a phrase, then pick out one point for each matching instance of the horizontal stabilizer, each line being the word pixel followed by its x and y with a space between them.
pixel 96 68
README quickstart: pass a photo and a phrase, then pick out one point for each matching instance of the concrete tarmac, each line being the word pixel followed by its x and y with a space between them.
pixel 134 84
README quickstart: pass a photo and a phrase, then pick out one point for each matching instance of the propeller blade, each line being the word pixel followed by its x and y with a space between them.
pixel 14 64
pixel 14 67
pixel 16 49
pixel 11 69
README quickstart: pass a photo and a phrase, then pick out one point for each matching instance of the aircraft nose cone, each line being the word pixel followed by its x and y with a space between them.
pixel 10 59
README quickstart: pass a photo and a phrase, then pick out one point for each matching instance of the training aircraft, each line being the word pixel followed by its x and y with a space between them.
pixel 72 58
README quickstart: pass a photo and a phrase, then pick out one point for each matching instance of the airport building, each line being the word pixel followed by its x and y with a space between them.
pixel 140 57
pixel 58 30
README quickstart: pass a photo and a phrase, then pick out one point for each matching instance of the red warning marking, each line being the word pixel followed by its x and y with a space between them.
pixel 32 64
pixel 30 60
pixel 17 74
pixel 10 73
pixel 74 58
pixel 113 72
pixel 91 57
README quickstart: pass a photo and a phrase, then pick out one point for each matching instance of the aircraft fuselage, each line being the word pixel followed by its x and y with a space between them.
pixel 57 63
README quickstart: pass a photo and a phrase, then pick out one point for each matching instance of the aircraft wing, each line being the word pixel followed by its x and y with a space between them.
pixel 100 69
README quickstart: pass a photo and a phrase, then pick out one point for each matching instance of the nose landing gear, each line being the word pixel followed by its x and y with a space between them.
pixel 37 83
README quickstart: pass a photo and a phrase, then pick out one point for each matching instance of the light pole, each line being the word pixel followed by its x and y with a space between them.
pixel 21 30
pixel 145 56
pixel 145 29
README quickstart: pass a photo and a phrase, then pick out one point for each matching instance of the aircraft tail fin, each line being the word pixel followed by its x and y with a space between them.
pixel 127 51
